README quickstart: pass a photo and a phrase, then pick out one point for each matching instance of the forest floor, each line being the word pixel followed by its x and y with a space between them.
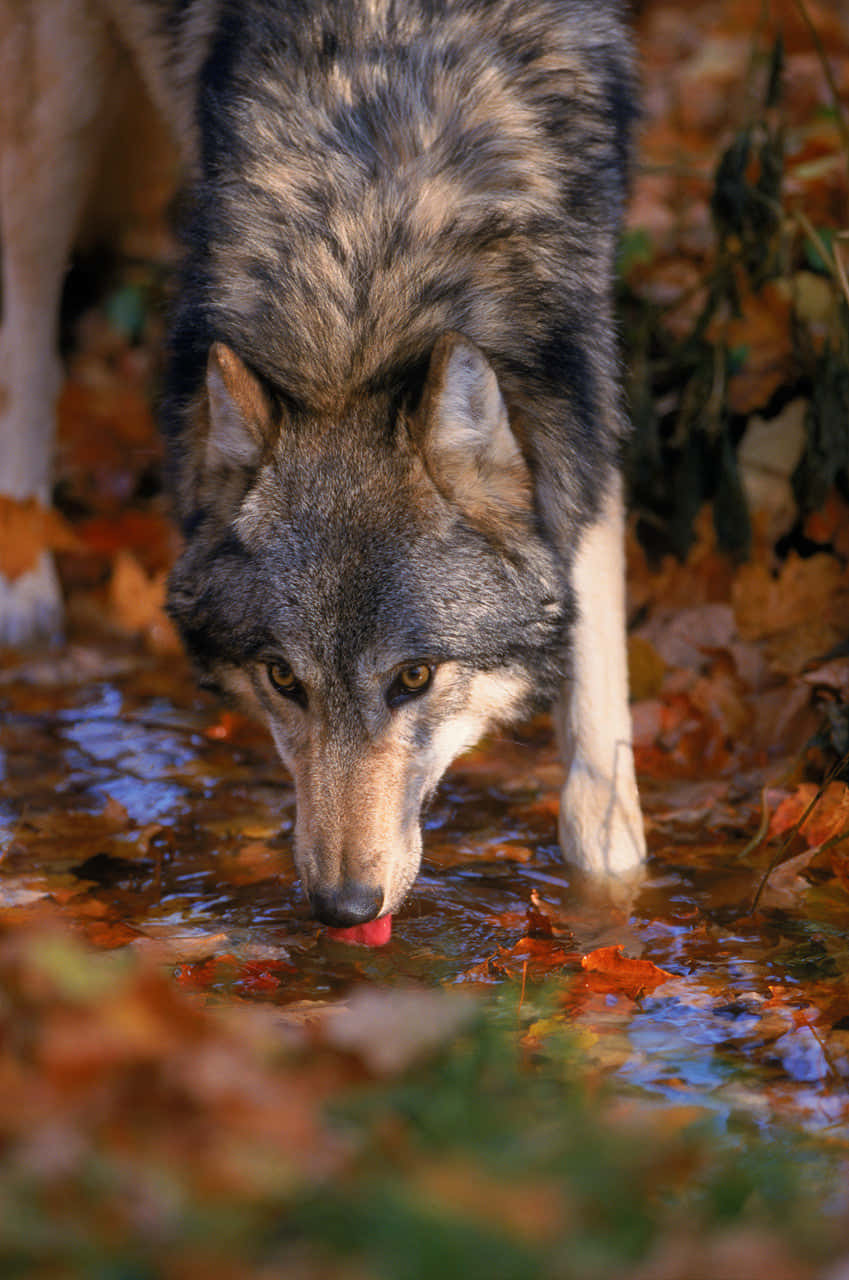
pixel 535 1077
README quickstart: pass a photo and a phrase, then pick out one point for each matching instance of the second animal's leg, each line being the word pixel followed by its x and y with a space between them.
pixel 56 61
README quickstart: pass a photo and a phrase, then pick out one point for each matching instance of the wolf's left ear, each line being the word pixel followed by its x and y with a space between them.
pixel 239 413
pixel 465 436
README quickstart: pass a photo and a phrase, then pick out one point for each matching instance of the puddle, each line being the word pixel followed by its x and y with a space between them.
pixel 158 825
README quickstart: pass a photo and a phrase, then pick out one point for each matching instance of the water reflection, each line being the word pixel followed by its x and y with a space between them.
pixel 128 805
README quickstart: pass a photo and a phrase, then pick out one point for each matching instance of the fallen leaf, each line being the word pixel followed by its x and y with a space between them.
pixel 830 524
pixel 622 973
pixel 531 1210
pixel 164 945
pixel 137 603
pixel 762 333
pixel 828 819
pixel 388 1030
pixel 646 668
pixel 815 588
pixel 148 535
pixel 26 530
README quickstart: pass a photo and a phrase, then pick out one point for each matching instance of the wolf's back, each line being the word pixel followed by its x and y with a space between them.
pixel 375 174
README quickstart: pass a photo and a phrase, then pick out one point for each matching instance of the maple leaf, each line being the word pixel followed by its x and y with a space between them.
pixel 26 530
pixel 618 972
pixel 765 604
pixel 138 602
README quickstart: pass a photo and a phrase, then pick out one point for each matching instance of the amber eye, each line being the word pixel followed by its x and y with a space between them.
pixel 284 681
pixel 409 682
pixel 415 678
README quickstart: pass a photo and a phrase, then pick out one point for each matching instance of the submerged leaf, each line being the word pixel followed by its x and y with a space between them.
pixel 618 972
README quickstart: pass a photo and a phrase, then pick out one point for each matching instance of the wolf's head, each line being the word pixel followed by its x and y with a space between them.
pixel 374 585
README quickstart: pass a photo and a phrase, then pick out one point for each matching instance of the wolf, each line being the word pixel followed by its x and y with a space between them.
pixel 392 407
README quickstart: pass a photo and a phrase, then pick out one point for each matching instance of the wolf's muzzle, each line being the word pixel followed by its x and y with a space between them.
pixel 350 904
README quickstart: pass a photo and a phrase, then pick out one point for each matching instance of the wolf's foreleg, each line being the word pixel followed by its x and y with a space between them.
pixel 54 64
pixel 601 827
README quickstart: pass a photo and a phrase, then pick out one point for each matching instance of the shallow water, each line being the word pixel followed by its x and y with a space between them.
pixel 151 821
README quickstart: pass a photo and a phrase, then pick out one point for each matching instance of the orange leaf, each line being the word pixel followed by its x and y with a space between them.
pixel 830 523
pixel 542 953
pixel 137 602
pixel 27 529
pixel 814 588
pixel 828 819
pixel 622 973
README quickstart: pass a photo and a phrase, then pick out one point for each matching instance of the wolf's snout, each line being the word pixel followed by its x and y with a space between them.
pixel 350 904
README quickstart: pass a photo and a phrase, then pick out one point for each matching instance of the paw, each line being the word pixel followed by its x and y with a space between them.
pixel 601 825
pixel 31 606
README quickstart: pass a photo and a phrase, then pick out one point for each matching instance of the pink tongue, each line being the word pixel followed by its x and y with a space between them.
pixel 374 934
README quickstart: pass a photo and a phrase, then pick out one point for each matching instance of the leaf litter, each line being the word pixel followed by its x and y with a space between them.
pixel 195 1077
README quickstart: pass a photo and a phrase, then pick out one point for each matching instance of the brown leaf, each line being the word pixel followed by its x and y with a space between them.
pixel 765 604
pixel 149 535
pixel 828 819
pixel 830 524
pixel 390 1029
pixel 530 1210
pixel 622 973
pixel 137 603
pixel 646 668
pixel 763 330
pixel 26 530
pixel 107 438
pixel 543 955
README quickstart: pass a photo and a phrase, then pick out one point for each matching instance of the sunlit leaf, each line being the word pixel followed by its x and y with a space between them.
pixel 619 972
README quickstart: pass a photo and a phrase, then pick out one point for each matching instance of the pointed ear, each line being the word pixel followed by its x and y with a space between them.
pixel 239 412
pixel 465 436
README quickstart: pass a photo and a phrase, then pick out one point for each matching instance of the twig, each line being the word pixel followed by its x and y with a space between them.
pixel 522 994
pixel 838 261
pixel 763 827
pixel 829 1061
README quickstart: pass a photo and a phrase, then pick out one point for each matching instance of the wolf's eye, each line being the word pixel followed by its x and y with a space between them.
pixel 409 682
pixel 284 681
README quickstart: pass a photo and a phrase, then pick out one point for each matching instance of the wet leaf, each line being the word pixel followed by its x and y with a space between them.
pixel 615 971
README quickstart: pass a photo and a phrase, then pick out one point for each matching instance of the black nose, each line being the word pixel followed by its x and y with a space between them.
pixel 350 904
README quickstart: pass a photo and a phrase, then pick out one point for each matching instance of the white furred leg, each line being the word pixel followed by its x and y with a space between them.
pixel 55 63
pixel 601 826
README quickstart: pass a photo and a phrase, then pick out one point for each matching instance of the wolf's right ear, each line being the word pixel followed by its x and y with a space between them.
pixel 239 412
